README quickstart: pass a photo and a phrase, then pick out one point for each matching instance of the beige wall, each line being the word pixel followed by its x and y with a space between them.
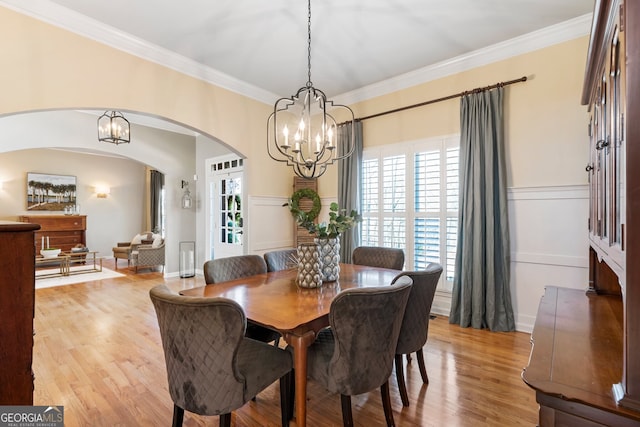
pixel 545 125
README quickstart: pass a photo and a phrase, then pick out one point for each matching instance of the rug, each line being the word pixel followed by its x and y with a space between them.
pixel 49 282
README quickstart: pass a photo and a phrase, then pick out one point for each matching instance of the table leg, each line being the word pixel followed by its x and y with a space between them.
pixel 300 344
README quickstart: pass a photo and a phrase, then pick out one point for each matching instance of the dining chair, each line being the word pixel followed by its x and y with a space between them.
pixel 415 323
pixel 236 267
pixel 281 260
pixel 212 369
pixel 377 256
pixel 356 354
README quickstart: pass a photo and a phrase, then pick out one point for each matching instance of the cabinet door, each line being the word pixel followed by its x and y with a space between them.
pixel 616 95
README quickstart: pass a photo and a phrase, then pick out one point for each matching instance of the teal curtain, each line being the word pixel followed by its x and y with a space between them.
pixel 481 294
pixel 349 182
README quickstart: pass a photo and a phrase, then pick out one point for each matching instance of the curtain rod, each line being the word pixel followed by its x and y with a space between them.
pixel 457 95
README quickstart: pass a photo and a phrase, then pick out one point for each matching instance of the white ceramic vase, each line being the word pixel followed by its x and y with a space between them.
pixel 329 258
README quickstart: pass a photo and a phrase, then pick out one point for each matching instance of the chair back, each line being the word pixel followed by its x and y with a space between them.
pixel 375 256
pixel 365 323
pixel 281 260
pixel 415 323
pixel 231 268
pixel 200 338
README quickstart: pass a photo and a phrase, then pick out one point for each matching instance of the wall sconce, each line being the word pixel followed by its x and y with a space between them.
pixel 186 197
pixel 102 192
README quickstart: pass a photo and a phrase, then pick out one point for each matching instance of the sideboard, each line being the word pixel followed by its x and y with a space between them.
pixel 17 284
pixel 64 231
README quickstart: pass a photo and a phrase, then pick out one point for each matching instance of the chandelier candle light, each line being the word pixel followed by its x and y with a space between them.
pixel 301 132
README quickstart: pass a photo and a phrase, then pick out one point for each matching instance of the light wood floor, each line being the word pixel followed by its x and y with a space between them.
pixel 97 352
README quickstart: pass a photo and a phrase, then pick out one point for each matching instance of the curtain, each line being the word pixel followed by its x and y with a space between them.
pixel 481 294
pixel 349 182
pixel 156 183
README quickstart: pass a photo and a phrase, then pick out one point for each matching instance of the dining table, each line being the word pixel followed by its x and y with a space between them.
pixel 275 301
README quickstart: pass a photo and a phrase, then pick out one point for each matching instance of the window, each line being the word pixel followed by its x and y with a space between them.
pixel 410 201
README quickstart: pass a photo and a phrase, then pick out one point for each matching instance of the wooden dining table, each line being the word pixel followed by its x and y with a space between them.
pixel 275 301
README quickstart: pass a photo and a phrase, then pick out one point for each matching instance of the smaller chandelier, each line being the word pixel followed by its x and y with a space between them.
pixel 113 128
pixel 302 133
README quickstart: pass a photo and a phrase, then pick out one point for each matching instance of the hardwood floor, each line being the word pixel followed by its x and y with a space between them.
pixel 97 352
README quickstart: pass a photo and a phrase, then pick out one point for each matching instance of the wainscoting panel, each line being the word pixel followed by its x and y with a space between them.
pixel 549 244
pixel 271 226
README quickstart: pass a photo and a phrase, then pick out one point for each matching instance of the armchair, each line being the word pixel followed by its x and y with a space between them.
pixel 148 255
pixel 123 250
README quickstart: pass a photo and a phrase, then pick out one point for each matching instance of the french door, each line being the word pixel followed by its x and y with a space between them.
pixel 225 208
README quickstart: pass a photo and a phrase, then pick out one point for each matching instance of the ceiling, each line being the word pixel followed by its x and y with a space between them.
pixel 260 46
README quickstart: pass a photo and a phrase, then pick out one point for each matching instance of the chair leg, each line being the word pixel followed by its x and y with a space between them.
pixel 347 416
pixel 386 404
pixel 402 387
pixel 178 415
pixel 423 370
pixel 292 394
pixel 225 420
pixel 285 395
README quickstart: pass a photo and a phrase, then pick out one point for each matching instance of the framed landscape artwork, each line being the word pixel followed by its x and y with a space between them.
pixel 46 192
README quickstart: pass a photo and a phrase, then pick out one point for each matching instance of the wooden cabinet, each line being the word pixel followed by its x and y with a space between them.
pixel 585 362
pixel 64 231
pixel 605 93
pixel 17 284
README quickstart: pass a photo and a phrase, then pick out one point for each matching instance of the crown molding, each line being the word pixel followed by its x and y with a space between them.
pixel 535 40
pixel 67 19
pixel 82 25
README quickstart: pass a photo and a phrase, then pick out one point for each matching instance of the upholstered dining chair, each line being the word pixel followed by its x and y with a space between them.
pixel 375 256
pixel 212 368
pixel 356 354
pixel 415 323
pixel 281 260
pixel 235 267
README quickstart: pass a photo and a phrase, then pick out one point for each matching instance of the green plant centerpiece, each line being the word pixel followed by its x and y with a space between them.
pixel 327 233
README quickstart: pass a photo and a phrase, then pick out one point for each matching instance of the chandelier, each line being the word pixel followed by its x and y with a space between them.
pixel 302 133
pixel 113 128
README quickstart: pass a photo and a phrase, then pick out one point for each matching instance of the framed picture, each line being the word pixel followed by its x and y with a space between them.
pixel 46 192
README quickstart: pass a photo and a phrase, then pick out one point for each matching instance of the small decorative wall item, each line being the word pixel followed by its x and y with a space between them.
pixel 309 267
pixel 47 192
pixel 186 197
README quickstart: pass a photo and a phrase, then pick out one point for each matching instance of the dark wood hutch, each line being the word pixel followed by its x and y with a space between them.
pixel 585 359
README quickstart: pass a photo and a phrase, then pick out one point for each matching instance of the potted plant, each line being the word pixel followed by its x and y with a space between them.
pixel 327 233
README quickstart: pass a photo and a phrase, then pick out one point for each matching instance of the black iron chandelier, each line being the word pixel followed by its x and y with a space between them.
pixel 113 128
pixel 302 133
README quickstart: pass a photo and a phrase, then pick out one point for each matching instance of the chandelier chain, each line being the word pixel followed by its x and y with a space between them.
pixel 309 84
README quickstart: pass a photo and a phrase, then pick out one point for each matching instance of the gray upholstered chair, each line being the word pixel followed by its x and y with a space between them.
pixel 415 324
pixel 356 354
pixel 281 260
pixel 375 256
pixel 148 255
pixel 235 267
pixel 212 368
pixel 123 250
